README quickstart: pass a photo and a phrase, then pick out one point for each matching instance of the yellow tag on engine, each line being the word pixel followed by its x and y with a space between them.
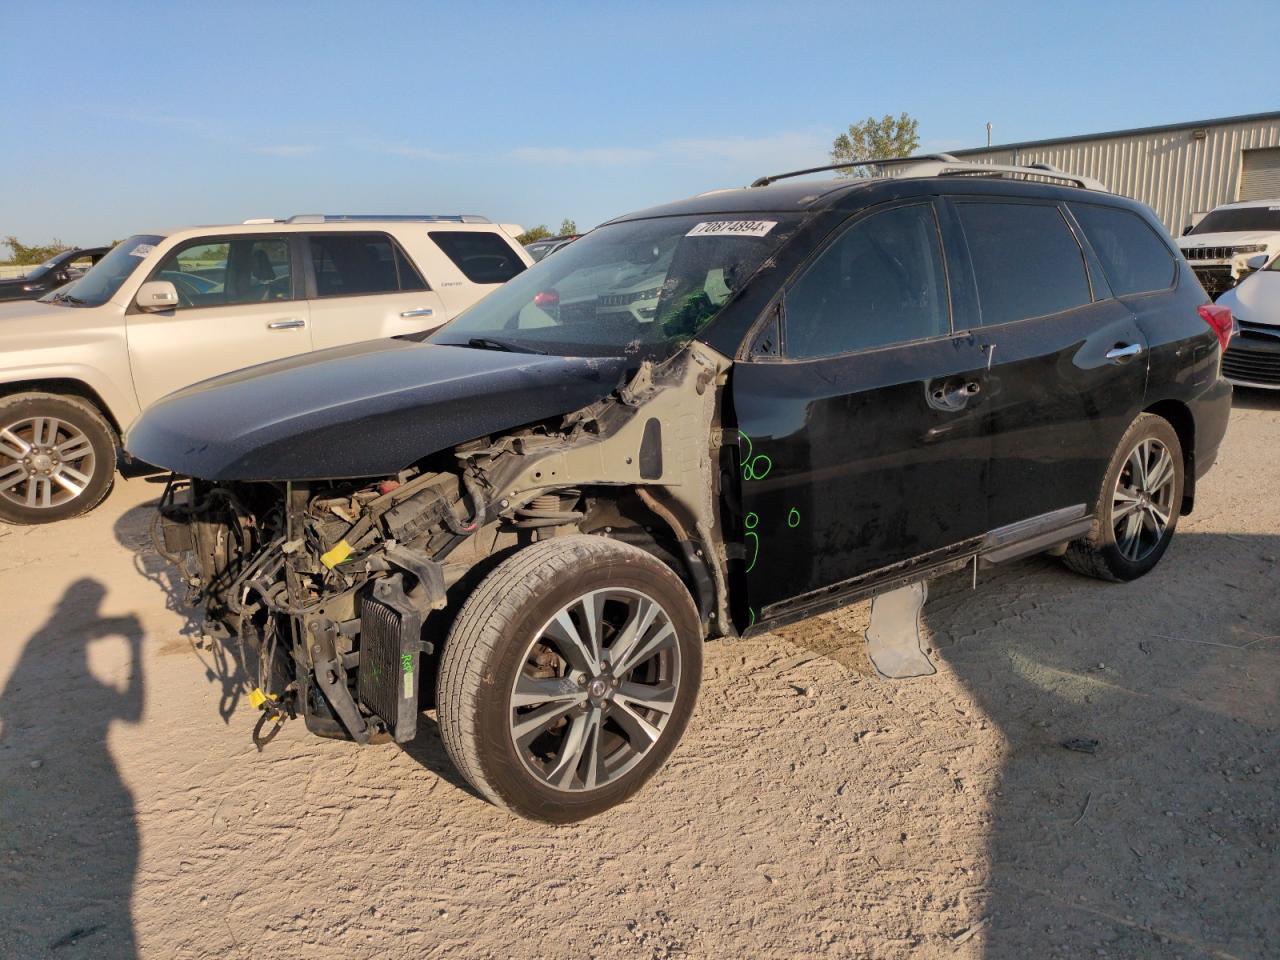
pixel 331 558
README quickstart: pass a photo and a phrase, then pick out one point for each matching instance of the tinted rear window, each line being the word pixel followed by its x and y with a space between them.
pixel 1026 261
pixel 482 257
pixel 354 264
pixel 1134 258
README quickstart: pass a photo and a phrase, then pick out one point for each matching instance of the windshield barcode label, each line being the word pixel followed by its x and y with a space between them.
pixel 732 228
pixel 141 250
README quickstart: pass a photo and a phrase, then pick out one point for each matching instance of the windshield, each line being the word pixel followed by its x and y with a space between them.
pixel 1239 220
pixel 645 287
pixel 35 273
pixel 99 284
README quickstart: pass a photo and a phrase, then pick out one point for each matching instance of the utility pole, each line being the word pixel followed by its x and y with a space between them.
pixel 988 133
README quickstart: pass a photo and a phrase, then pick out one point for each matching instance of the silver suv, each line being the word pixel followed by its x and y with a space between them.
pixel 163 311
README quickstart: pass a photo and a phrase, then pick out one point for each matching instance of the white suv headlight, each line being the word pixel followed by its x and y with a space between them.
pixel 1252 248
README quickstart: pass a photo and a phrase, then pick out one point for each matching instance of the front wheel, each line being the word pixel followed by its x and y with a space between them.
pixel 1138 508
pixel 569 676
pixel 57 458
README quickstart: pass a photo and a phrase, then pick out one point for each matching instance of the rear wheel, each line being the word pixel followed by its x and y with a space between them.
pixel 57 458
pixel 569 676
pixel 1138 508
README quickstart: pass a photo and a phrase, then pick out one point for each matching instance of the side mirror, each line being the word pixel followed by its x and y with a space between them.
pixel 1187 229
pixel 157 295
pixel 1257 261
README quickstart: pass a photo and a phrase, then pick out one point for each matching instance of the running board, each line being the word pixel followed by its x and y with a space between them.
pixel 1030 536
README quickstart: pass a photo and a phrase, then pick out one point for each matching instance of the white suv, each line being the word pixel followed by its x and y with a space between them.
pixel 163 311
pixel 1221 245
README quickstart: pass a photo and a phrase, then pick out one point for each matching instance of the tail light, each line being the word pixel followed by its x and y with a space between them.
pixel 1220 320
pixel 546 298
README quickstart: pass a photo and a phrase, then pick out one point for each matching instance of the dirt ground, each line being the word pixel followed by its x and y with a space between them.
pixel 812 808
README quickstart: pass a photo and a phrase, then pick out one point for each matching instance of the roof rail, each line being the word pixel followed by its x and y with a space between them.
pixel 943 165
pixel 398 217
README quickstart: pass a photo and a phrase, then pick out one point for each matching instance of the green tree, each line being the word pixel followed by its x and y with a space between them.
pixel 872 139
pixel 29 254
pixel 567 227
pixel 540 232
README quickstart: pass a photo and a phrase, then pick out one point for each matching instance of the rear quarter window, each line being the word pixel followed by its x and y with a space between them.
pixel 1026 260
pixel 1133 256
pixel 482 257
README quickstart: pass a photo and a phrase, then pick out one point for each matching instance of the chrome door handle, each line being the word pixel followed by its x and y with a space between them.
pixel 286 324
pixel 1127 352
pixel 420 312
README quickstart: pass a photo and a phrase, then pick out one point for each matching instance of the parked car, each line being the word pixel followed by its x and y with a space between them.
pixel 532 517
pixel 1220 246
pixel 163 311
pixel 540 249
pixel 1253 358
pixel 59 269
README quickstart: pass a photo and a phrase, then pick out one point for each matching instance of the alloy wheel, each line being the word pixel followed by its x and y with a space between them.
pixel 595 689
pixel 1142 506
pixel 44 462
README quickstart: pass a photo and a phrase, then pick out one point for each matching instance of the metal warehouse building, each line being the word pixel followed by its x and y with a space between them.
pixel 1182 171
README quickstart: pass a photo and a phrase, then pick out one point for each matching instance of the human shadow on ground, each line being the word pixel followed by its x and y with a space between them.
pixel 1162 842
pixel 70 837
pixel 223 661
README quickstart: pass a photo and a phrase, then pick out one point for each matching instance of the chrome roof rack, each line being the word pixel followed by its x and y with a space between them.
pixel 370 217
pixel 945 165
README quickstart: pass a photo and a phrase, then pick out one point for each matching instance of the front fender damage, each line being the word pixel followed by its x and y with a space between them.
pixel 342 586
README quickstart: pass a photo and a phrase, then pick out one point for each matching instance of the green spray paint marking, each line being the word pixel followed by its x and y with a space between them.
pixel 793 518
pixel 754 466
pixel 751 521
pixel 751 611
pixel 406 665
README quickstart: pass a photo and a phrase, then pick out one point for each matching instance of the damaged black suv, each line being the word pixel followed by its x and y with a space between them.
pixel 702 420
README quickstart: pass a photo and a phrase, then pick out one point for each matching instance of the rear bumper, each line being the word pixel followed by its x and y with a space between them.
pixel 1212 410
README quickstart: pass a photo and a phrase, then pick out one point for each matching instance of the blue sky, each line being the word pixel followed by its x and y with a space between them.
pixel 118 117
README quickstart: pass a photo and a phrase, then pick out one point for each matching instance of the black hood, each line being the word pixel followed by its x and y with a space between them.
pixel 365 410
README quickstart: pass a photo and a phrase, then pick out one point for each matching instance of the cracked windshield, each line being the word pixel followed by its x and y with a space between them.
pixel 644 287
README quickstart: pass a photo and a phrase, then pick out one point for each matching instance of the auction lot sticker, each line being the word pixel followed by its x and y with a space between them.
pixel 732 228
pixel 141 250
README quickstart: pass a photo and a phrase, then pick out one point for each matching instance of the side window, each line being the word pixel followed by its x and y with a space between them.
pixel 881 282
pixel 1026 260
pixel 355 264
pixel 482 257
pixel 223 272
pixel 1134 257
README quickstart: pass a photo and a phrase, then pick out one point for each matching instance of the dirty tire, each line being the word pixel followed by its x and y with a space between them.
pixel 486 650
pixel 1099 554
pixel 76 417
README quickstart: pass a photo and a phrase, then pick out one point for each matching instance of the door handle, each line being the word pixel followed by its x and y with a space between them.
pixel 420 312
pixel 286 324
pixel 1124 352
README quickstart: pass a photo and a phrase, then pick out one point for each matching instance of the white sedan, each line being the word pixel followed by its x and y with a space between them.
pixel 1253 358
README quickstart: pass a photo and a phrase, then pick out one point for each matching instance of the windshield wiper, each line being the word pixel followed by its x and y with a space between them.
pixel 493 343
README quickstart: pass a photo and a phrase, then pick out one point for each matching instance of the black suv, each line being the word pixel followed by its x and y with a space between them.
pixel 702 420
pixel 59 269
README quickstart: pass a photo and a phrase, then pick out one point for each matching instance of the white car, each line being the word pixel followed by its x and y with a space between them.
pixel 1219 246
pixel 163 311
pixel 1253 357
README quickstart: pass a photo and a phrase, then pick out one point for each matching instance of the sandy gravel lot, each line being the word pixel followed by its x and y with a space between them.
pixel 812 809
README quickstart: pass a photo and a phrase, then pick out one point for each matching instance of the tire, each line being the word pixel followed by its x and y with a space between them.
pixel 1112 551
pixel 510 632
pixel 38 483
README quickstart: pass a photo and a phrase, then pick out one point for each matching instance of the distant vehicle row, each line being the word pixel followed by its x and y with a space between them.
pixel 48 276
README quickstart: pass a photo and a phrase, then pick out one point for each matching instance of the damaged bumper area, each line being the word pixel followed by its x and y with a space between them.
pixel 339 593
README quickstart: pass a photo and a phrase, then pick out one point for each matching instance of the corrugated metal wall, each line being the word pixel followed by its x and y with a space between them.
pixel 1175 174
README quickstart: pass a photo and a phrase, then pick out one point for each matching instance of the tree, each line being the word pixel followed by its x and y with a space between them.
pixel 568 227
pixel 540 232
pixel 872 139
pixel 24 254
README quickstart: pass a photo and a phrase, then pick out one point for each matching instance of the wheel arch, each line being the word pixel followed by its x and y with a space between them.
pixel 1179 416
pixel 68 387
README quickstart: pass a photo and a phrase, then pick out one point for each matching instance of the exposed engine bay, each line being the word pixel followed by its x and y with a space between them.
pixel 339 594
